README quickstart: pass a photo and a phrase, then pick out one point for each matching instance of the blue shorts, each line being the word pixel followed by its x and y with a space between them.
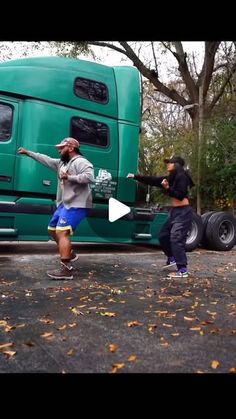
pixel 67 219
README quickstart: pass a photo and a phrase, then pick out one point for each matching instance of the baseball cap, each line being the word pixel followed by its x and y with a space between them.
pixel 175 159
pixel 68 141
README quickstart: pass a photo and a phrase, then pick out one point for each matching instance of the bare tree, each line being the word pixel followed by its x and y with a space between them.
pixel 200 91
pixel 192 81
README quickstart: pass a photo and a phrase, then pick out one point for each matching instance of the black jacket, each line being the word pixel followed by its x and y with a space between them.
pixel 179 182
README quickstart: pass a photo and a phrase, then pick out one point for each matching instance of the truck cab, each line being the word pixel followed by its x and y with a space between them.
pixel 42 101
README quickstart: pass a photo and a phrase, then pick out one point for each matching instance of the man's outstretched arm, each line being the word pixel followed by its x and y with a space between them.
pixel 41 158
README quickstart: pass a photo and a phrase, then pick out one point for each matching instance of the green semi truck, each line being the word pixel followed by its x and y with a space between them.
pixel 43 100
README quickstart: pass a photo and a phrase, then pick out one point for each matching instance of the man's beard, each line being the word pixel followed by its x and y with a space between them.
pixel 65 158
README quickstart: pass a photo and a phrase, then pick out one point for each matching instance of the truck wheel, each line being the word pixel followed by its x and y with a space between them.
pixel 205 217
pixel 221 231
pixel 195 233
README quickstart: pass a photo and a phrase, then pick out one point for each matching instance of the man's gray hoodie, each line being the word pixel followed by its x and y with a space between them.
pixel 75 191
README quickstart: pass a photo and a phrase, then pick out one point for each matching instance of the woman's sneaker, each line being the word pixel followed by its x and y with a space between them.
pixel 170 262
pixel 180 273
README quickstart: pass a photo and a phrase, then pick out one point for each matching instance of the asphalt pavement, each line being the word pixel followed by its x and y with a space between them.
pixel 120 314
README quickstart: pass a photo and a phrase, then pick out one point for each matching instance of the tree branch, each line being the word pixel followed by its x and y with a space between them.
pixel 154 56
pixel 222 89
pixel 223 65
pixel 181 56
pixel 152 77
pixel 205 76
pixel 106 44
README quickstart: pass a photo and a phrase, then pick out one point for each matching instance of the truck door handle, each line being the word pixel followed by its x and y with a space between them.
pixel 5 178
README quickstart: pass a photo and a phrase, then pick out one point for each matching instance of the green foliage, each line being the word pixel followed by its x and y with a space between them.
pixel 73 49
pixel 218 163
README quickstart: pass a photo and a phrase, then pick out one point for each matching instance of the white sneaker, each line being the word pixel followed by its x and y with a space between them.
pixel 178 274
pixel 170 262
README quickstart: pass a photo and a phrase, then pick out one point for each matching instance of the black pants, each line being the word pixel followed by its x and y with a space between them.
pixel 173 234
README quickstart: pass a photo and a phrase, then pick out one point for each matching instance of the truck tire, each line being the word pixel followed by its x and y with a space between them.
pixel 195 233
pixel 205 217
pixel 221 231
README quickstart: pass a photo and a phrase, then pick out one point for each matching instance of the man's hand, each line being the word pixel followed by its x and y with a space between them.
pixel 165 184
pixel 22 150
pixel 130 175
pixel 64 175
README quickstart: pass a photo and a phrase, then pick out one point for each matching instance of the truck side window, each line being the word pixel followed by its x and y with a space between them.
pixel 89 132
pixel 6 114
pixel 91 90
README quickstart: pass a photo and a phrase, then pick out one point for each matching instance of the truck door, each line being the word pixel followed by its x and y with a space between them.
pixel 8 136
pixel 98 136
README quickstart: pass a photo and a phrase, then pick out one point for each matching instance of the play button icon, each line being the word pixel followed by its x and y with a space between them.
pixel 117 210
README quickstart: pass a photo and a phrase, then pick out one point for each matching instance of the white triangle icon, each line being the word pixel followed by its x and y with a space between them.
pixel 117 210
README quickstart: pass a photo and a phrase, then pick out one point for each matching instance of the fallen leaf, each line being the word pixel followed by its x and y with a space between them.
pixel 47 334
pixel 195 328
pixel 132 358
pixel 167 325
pixel 163 342
pixel 108 314
pixel 29 343
pixel 6 345
pixel 187 293
pixel 175 334
pixel 214 364
pixel 62 327
pixel 233 369
pixel 134 323
pixel 76 311
pixel 190 319
pixel 215 330
pixel 8 328
pixel 151 328
pixel 212 313
pixel 9 353
pixel 112 347
pixel 47 321
pixel 161 312
pixel 70 352
pixel 20 325
pixel 116 291
pixel 116 367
